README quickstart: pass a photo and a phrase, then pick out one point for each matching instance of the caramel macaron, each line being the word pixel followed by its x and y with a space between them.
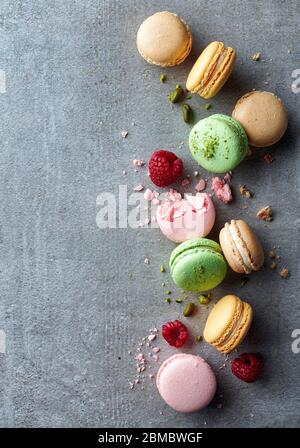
pixel 164 39
pixel 211 70
pixel 228 323
pixel 263 116
pixel 241 247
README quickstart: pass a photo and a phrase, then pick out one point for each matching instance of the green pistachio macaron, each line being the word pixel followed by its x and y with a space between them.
pixel 198 265
pixel 218 143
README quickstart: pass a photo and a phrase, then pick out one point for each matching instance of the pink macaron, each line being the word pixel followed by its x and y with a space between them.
pixel 186 382
pixel 188 218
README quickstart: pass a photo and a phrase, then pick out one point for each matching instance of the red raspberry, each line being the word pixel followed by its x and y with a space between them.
pixel 247 367
pixel 164 168
pixel 175 333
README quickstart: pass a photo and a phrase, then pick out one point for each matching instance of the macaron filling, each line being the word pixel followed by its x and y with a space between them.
pixel 240 246
pixel 233 331
pixel 195 245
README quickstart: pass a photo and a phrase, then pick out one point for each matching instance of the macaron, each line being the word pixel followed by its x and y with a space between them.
pixel 228 323
pixel 211 70
pixel 198 265
pixel 218 143
pixel 186 382
pixel 241 247
pixel 188 218
pixel 164 39
pixel 263 116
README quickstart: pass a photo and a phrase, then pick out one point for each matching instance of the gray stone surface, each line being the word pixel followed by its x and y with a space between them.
pixel 68 306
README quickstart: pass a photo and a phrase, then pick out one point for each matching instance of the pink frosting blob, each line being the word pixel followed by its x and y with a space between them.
pixel 184 219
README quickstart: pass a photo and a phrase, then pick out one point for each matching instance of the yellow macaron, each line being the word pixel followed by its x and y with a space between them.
pixel 211 70
pixel 164 39
pixel 228 323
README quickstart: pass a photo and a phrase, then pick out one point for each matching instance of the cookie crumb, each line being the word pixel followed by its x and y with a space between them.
pixel 284 273
pixel 222 189
pixel 246 192
pixel 138 188
pixel 124 134
pixel 272 253
pixel 138 163
pixel 265 213
pixel 201 185
pixel 268 158
pixel 273 265
pixel 147 261
pixel 185 182
pixel 256 56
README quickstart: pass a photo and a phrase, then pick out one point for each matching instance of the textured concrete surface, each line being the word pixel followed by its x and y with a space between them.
pixel 69 307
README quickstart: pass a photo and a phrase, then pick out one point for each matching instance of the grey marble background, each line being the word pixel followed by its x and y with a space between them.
pixel 75 299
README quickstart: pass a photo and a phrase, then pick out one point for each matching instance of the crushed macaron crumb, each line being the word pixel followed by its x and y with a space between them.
pixel 138 188
pixel 201 185
pixel 222 189
pixel 138 163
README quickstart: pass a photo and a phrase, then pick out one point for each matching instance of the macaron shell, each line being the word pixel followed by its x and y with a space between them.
pixel 220 75
pixel 222 318
pixel 240 333
pixel 196 266
pixel 203 67
pixel 249 240
pixel 186 382
pixel 187 222
pixel 218 143
pixel 164 39
pixel 263 116
pixel 252 242
pixel 234 260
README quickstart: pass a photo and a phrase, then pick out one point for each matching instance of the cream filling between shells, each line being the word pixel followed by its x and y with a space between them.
pixel 240 245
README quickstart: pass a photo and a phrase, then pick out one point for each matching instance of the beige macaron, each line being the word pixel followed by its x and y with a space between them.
pixel 164 39
pixel 241 247
pixel 228 323
pixel 263 116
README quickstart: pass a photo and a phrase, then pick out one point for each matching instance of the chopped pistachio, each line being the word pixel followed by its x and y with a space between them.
pixel 168 292
pixel 168 300
pixel 162 268
pixel 189 309
pixel 209 147
pixel 204 299
pixel 187 112
pixel 176 95
pixel 163 78
pixel 163 284
pixel 198 338
pixel 178 300
pixel 207 106
pixel 256 56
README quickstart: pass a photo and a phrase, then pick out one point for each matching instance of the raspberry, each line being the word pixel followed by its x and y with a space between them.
pixel 247 367
pixel 175 333
pixel 164 168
